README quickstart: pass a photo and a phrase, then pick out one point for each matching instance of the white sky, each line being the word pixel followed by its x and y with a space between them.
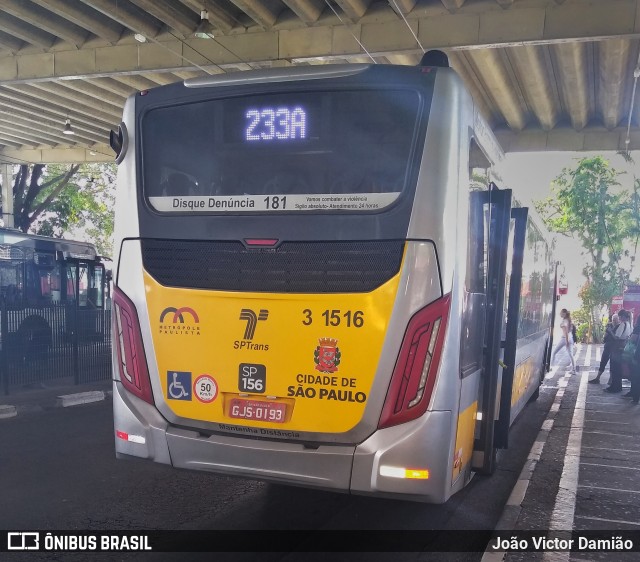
pixel 534 172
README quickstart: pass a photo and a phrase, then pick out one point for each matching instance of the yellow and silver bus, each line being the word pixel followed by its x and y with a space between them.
pixel 310 290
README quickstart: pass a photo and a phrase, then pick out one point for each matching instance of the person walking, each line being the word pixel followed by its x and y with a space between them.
pixel 606 350
pixel 566 340
pixel 620 337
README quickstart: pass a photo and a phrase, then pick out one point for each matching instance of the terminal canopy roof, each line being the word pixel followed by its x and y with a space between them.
pixel 547 74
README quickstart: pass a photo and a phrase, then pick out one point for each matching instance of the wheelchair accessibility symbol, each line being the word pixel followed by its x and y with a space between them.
pixel 178 385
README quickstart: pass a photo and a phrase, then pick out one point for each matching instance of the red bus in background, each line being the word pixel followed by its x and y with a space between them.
pixel 629 300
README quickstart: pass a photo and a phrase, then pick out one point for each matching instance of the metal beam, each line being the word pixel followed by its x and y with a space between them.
pixel 8 138
pixel 573 79
pixel 614 57
pixel 402 6
pixel 138 82
pixel 175 16
pixel 498 84
pixel 58 93
pixel 33 140
pixel 187 74
pixel 567 139
pixel 111 85
pixel 307 10
pixel 95 153
pixel 90 90
pixel 44 19
pixel 538 86
pixel 219 16
pixel 460 63
pixel 91 127
pixel 161 78
pixel 8 142
pixel 127 15
pixel 533 22
pixel 84 17
pixel 452 5
pixel 354 9
pixel 37 92
pixel 10 43
pixel 26 32
pixel 48 129
pixel 258 11
pixel 7 194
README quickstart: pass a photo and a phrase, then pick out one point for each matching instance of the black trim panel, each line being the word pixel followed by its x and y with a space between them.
pixel 292 267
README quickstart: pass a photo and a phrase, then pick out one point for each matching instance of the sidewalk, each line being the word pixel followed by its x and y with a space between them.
pixel 51 394
pixel 583 471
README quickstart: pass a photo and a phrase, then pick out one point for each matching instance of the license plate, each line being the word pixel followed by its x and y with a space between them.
pixel 258 410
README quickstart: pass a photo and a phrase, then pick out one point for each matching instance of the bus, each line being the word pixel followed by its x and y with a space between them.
pixel 629 300
pixel 39 274
pixel 310 290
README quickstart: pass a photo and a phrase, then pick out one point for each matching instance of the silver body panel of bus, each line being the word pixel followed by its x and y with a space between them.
pixel 435 264
pixel 332 467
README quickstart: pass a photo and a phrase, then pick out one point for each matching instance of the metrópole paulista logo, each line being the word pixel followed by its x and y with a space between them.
pixel 183 321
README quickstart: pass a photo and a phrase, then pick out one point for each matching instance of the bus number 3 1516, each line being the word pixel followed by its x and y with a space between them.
pixel 335 318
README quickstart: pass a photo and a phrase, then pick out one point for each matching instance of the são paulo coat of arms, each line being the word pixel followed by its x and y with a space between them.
pixel 327 355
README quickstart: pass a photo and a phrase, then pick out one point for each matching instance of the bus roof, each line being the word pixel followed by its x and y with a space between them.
pixel 70 248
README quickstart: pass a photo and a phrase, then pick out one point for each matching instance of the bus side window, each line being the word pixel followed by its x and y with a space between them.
pixel 96 290
pixel 83 285
pixel 55 284
pixel 71 282
pixel 45 284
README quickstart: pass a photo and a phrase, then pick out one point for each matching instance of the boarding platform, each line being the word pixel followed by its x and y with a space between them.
pixel 588 450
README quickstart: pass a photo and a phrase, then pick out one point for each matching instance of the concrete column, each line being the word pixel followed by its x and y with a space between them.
pixel 7 194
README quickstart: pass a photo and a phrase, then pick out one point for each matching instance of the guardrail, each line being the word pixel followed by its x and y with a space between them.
pixel 43 343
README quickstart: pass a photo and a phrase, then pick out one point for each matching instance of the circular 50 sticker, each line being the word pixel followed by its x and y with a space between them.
pixel 205 388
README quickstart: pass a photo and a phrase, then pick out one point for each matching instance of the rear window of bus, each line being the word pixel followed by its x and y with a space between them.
pixel 298 143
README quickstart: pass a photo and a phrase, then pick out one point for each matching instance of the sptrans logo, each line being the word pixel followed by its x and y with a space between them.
pixel 182 321
pixel 251 319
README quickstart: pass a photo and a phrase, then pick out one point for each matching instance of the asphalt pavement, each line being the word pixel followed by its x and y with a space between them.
pixel 587 453
pixel 57 393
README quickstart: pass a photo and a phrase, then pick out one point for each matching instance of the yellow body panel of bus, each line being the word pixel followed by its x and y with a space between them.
pixel 464 439
pixel 286 361
pixel 522 378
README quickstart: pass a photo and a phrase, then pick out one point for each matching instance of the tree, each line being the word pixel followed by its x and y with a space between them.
pixel 33 191
pixel 587 203
pixel 66 201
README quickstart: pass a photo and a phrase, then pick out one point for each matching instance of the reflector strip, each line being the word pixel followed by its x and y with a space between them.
pixel 400 472
pixel 131 438
pixel 427 364
pixel 261 241
pixel 417 474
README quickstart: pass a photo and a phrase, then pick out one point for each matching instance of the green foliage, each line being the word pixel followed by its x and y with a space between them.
pixel 72 201
pixel 580 316
pixel 479 180
pixel 582 331
pixel 587 203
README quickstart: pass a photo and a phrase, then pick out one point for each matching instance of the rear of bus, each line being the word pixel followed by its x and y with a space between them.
pixel 274 318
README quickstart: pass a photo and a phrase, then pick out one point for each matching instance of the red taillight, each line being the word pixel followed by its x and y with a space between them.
pixel 415 372
pixel 127 338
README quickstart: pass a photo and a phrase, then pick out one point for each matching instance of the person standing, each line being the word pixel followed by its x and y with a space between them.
pixel 620 337
pixel 606 350
pixel 634 365
pixel 566 340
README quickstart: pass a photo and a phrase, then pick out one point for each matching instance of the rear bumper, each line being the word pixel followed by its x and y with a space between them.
pixel 346 468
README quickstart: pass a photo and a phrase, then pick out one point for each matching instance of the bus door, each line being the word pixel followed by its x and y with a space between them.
pixel 554 301
pixel 509 339
pixel 492 208
pixel 85 297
